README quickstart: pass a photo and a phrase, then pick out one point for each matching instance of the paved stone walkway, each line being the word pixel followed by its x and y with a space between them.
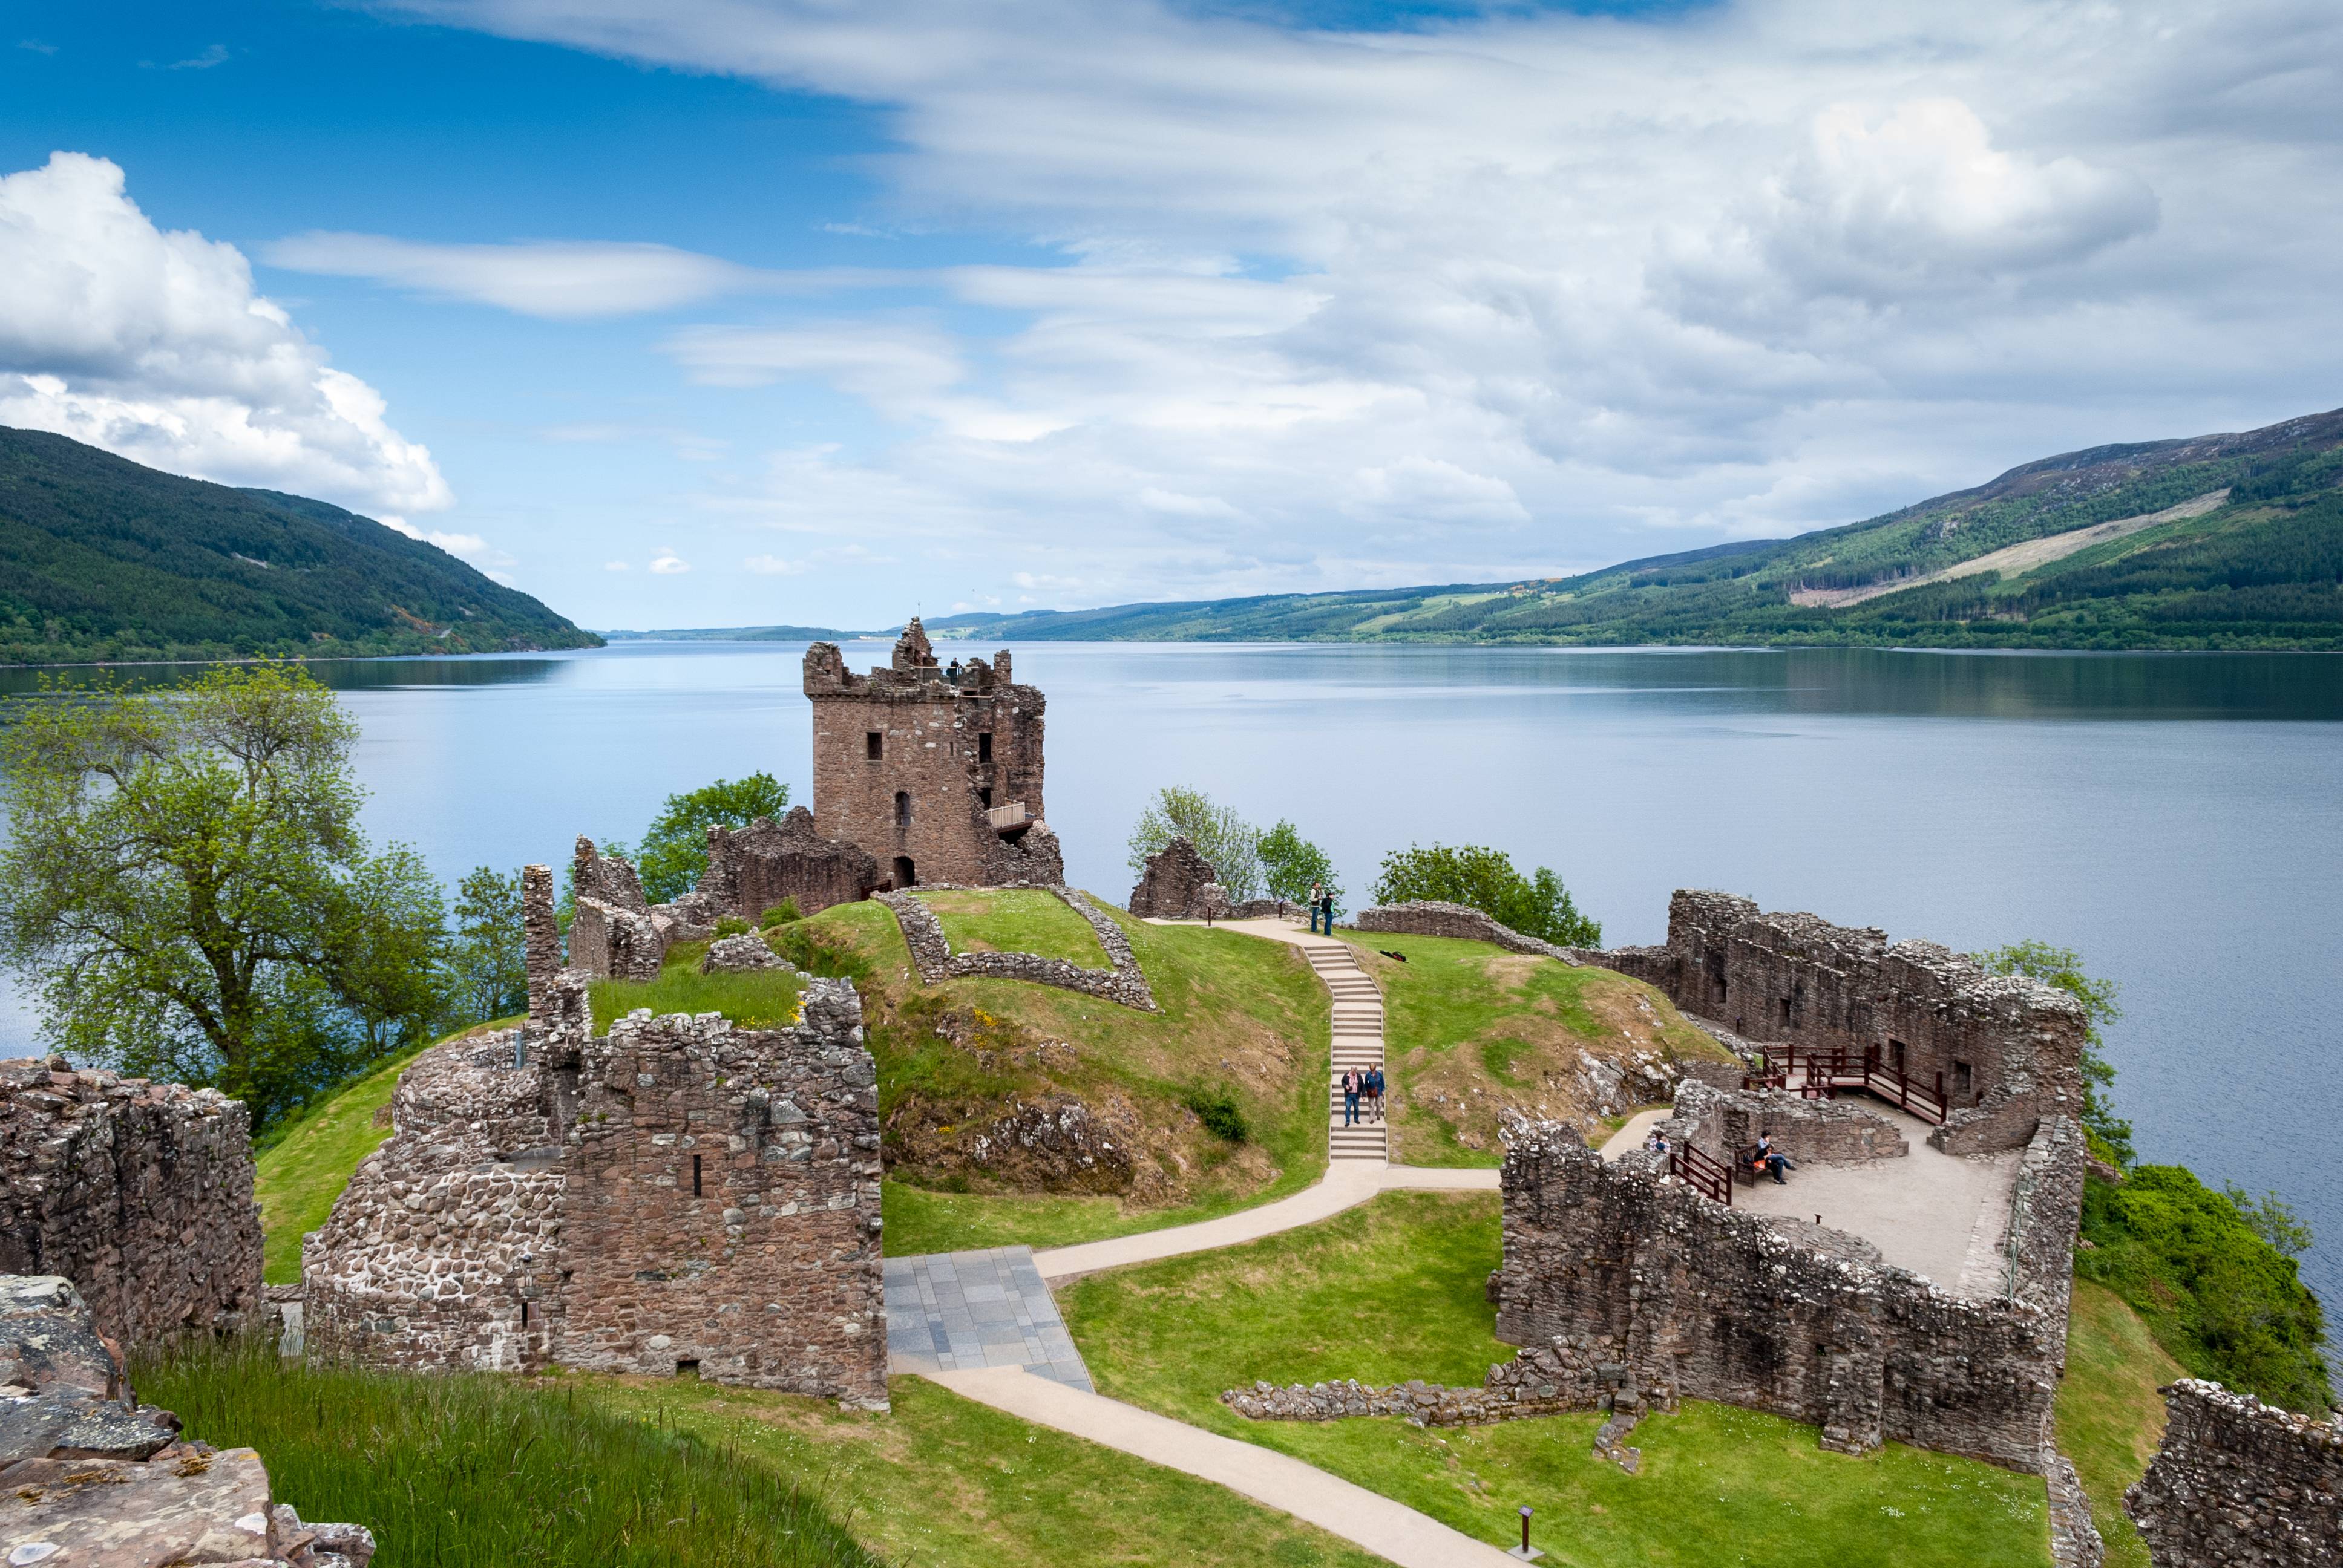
pixel 951 1311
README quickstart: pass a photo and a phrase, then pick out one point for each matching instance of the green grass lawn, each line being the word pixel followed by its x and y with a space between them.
pixel 1470 1028
pixel 753 999
pixel 306 1166
pixel 945 1483
pixel 1016 920
pixel 1237 1012
pixel 496 1471
pixel 1393 1289
pixel 2110 1417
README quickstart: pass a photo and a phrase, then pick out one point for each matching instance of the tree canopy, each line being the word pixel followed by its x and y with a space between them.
pixel 1292 865
pixel 674 848
pixel 1484 878
pixel 1220 834
pixel 186 881
pixel 2110 1134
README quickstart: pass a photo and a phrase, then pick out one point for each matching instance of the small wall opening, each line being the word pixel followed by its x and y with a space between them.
pixel 905 876
pixel 524 1314
pixel 1897 1053
pixel 902 808
pixel 1964 1078
pixel 984 746
pixel 695 1175
pixel 984 796
pixel 1785 1012
pixel 874 745
pixel 689 1369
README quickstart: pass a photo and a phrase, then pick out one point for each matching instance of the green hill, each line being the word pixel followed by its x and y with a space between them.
pixel 2216 542
pixel 101 559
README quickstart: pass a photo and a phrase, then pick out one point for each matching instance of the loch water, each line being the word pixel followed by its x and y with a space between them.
pixel 2177 817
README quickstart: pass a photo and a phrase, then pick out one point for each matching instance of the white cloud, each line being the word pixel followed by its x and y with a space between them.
pixel 155 347
pixel 668 564
pixel 216 54
pixel 617 566
pixel 1522 290
pixel 772 565
pixel 559 280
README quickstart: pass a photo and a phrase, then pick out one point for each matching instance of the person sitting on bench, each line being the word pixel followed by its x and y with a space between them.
pixel 1771 1161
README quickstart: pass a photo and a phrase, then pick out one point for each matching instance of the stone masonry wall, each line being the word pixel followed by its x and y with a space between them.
pixel 1724 1123
pixel 2238 1484
pixel 1170 888
pixel 931 954
pixel 918 792
pixel 679 1192
pixel 1543 1380
pixel 757 867
pixel 1431 918
pixel 1773 1314
pixel 2009 1049
pixel 139 1192
pixel 721 1207
pixel 613 935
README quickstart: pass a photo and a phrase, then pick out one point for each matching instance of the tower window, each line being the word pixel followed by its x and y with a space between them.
pixel 695 1176
pixel 874 745
pixel 902 808
pixel 984 746
pixel 984 796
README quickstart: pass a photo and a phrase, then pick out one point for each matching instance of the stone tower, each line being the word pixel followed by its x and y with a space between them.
pixel 936 775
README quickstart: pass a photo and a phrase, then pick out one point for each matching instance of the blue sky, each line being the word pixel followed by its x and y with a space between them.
pixel 729 311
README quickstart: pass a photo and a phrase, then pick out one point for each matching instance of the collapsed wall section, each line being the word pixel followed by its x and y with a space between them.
pixel 2237 1483
pixel 2007 1050
pixel 753 868
pixel 139 1192
pixel 1696 1298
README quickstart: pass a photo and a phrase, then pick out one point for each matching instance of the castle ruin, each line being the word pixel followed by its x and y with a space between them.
pixel 934 772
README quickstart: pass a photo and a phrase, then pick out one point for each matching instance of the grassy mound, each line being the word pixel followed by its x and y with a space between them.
pixel 498 1472
pixel 1016 920
pixel 2110 1417
pixel 1473 1030
pixel 1392 1291
pixel 1241 1017
pixel 753 999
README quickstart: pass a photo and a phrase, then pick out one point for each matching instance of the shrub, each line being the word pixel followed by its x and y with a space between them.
pixel 780 914
pixel 1218 1109
pixel 731 926
pixel 2225 1302
pixel 1292 865
pixel 1480 878
pixel 2109 1135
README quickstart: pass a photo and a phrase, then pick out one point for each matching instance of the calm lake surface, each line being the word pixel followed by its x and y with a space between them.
pixel 2174 817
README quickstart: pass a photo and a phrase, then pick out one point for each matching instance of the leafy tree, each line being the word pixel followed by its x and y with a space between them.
pixel 186 881
pixel 489 960
pixel 1291 864
pixel 2271 1218
pixel 1480 878
pixel 674 849
pixel 2063 966
pixel 1220 834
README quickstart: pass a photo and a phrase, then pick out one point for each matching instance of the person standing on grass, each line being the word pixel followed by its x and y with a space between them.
pixel 1317 892
pixel 1352 1085
pixel 1375 1090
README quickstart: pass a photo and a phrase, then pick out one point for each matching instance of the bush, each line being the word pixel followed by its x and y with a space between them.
pixel 731 926
pixel 1293 865
pixel 1218 1109
pixel 1483 878
pixel 2227 1303
pixel 780 914
pixel 495 1472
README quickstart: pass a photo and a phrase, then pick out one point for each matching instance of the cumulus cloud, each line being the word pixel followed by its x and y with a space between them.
pixel 668 564
pixel 1516 291
pixel 154 346
pixel 553 279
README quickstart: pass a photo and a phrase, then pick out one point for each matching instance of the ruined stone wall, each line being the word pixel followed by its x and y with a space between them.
pixel 1171 887
pixel 613 934
pixel 1543 1380
pixel 1431 918
pixel 1766 1313
pixel 440 1253
pixel 139 1192
pixel 931 954
pixel 947 750
pixel 1723 1122
pixel 721 1206
pixel 2238 1484
pixel 757 867
pixel 2009 1050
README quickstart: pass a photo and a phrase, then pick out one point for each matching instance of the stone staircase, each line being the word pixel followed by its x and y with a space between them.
pixel 1358 1042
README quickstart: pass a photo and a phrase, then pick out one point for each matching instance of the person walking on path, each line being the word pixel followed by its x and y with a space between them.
pixel 1375 1090
pixel 1317 892
pixel 1352 1085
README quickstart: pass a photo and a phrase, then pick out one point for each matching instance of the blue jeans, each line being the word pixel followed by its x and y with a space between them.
pixel 1313 919
pixel 1349 1107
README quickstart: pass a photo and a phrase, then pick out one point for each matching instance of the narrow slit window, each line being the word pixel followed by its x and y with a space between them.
pixel 984 746
pixel 874 745
pixel 695 1175
pixel 902 808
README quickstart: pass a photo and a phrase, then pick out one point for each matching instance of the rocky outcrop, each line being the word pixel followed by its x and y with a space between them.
pixel 2238 1484
pixel 139 1192
pixel 1431 918
pixel 931 953
pixel 1171 887
pixel 89 1475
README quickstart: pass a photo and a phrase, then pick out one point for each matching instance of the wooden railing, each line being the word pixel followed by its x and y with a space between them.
pixel 1820 1074
pixel 1004 817
pixel 1703 1175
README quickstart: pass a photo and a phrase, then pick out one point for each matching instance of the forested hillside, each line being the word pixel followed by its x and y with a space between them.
pixel 101 559
pixel 2222 541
